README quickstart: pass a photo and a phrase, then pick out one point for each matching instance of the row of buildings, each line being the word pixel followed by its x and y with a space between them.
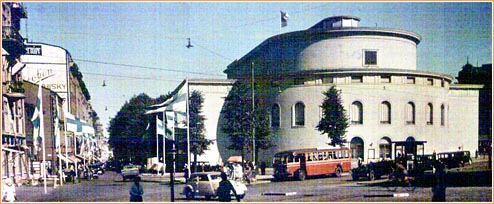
pixel 392 106
pixel 71 132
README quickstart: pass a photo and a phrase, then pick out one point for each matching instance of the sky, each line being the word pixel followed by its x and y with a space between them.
pixel 140 47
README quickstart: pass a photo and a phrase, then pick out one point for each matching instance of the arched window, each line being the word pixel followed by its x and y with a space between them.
pixel 356 113
pixel 443 115
pixel 385 148
pixel 410 113
pixel 385 113
pixel 275 115
pixel 357 147
pixel 429 114
pixel 299 114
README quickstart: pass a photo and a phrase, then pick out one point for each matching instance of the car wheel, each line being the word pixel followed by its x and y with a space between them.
pixel 189 194
pixel 302 175
pixel 372 175
pixel 337 172
pixel 242 196
pixel 354 177
pixel 208 197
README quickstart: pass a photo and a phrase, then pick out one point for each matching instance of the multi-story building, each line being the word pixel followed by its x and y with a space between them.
pixel 61 75
pixel 52 107
pixel 14 163
pixel 481 75
pixel 390 103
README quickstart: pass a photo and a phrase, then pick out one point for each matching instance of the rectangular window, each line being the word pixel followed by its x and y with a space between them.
pixel 298 81
pixel 357 79
pixel 370 57
pixel 385 79
pixel 430 82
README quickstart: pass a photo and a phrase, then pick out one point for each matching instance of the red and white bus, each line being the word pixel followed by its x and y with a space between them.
pixel 302 163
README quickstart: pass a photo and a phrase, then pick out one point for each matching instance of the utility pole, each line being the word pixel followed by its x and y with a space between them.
pixel 253 119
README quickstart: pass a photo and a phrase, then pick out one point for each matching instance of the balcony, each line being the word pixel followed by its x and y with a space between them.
pixel 13 89
pixel 12 41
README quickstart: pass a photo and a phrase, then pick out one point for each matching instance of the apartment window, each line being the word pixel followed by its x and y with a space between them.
pixel 275 116
pixel 385 113
pixel 327 80
pixel 430 82
pixel 357 79
pixel 299 114
pixel 410 113
pixel 443 115
pixel 298 81
pixel 356 113
pixel 430 114
pixel 385 79
pixel 370 57
pixel 410 80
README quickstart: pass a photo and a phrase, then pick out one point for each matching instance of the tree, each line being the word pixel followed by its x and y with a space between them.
pixel 130 137
pixel 334 121
pixel 238 119
pixel 196 123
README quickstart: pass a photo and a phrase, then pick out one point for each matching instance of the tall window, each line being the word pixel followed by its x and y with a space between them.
pixel 385 148
pixel 385 113
pixel 275 116
pixel 430 114
pixel 356 113
pixel 410 113
pixel 443 115
pixel 299 114
pixel 357 147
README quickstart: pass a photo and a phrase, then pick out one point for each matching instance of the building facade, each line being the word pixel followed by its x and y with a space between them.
pixel 14 159
pixel 387 100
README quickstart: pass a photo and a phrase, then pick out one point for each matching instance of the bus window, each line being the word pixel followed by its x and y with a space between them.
pixel 290 158
pixel 320 156
pixel 308 157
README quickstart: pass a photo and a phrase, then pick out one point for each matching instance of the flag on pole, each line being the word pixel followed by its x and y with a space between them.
pixel 284 19
pixel 170 124
pixel 160 130
pixel 57 127
pixel 36 120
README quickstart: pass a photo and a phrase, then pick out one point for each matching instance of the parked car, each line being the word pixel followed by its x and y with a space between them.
pixel 129 171
pixel 206 184
pixel 455 159
pixel 373 170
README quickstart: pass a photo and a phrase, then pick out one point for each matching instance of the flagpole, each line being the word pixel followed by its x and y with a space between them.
pixel 42 133
pixel 164 142
pixel 188 130
pixel 157 145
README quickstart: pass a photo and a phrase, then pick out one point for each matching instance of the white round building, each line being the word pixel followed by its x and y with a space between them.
pixel 390 104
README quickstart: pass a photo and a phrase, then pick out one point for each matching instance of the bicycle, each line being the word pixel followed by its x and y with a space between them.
pixel 395 181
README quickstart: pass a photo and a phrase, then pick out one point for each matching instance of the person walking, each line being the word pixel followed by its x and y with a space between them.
pixel 224 189
pixel 186 173
pixel 136 191
pixel 9 190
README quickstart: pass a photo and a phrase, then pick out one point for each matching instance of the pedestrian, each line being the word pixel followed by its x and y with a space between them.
pixel 72 173
pixel 225 188
pixel 263 168
pixel 439 185
pixel 9 190
pixel 136 191
pixel 186 173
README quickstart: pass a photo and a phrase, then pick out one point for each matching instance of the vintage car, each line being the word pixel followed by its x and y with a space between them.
pixel 129 171
pixel 206 183
pixel 373 170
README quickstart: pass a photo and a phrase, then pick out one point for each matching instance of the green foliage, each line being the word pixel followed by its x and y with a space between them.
pixel 238 118
pixel 196 122
pixel 74 69
pixel 334 121
pixel 129 138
